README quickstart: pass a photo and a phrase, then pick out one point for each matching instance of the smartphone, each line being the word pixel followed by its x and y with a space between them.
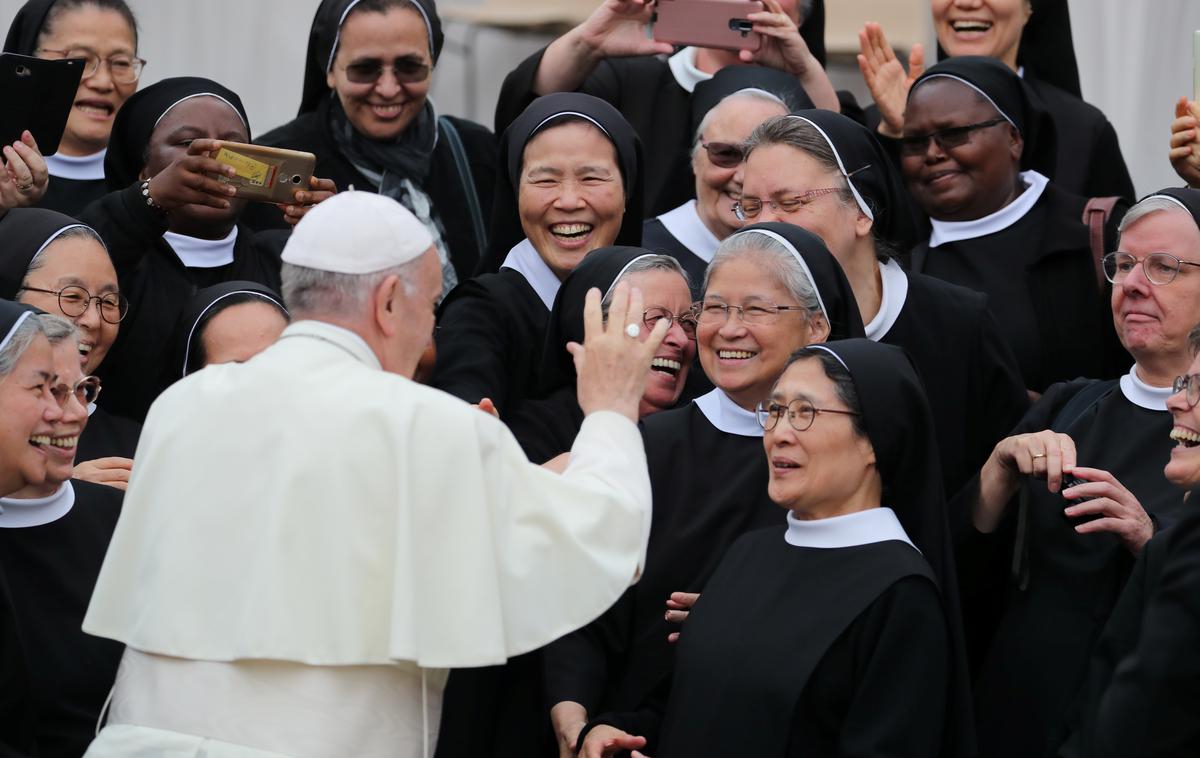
pixel 266 174
pixel 707 23
pixel 37 95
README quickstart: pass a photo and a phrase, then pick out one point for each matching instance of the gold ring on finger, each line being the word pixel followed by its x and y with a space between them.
pixel 1039 455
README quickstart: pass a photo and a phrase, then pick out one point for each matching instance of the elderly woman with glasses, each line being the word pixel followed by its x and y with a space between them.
pixel 837 634
pixel 104 34
pixel 365 113
pixel 975 154
pixel 53 537
pixel 53 262
pixel 770 290
pixel 1065 503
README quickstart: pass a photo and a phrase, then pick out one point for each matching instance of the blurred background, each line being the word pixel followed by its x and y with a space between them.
pixel 1135 56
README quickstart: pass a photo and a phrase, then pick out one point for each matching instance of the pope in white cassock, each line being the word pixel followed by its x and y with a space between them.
pixel 310 539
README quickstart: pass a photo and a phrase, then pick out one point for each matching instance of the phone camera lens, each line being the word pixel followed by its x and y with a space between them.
pixel 295 179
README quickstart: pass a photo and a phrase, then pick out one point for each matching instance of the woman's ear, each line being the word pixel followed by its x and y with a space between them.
pixel 818 328
pixel 1016 145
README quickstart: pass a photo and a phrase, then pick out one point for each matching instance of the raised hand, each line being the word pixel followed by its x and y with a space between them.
pixel 617 28
pixel 783 48
pixel 612 364
pixel 1043 455
pixel 1185 142
pixel 886 78
pixel 24 176
pixel 187 180
pixel 305 200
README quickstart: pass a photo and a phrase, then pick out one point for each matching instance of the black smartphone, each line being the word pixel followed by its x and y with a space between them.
pixel 37 95
pixel 1069 481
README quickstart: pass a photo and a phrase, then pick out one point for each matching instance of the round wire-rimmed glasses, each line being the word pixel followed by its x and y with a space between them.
pixel 1159 268
pixel 801 414
pixel 74 301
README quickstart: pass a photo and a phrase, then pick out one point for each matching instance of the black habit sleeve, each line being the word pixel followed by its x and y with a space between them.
pixel 129 227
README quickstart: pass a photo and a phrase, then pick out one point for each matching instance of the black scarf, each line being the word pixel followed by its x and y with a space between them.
pixel 27 26
pixel 11 316
pixel 206 304
pixel 406 157
pixel 1187 197
pixel 732 79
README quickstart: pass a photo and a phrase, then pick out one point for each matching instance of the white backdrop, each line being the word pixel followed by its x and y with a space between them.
pixel 1135 59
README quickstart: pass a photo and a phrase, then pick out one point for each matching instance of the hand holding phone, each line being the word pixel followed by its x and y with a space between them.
pixel 266 174
pixel 191 180
pixel 723 24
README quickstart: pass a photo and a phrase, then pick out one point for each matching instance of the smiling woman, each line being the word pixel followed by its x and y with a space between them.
pixel 973 154
pixel 104 33
pixel 572 183
pixel 365 113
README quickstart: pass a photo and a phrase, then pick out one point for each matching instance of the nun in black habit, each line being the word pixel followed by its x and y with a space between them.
pixel 193 348
pixel 43 252
pixel 1009 233
pixel 707 471
pixel 53 538
pixel 1053 553
pixel 492 326
pixel 747 96
pixel 164 253
pixel 654 93
pixel 971 377
pixel 839 634
pixel 441 168
pixel 76 180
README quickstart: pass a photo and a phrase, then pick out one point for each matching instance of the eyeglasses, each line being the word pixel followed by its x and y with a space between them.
pixel 123 68
pixel 801 414
pixel 954 136
pixel 716 312
pixel 74 301
pixel 1189 383
pixel 407 70
pixel 1159 268
pixel 749 207
pixel 724 154
pixel 686 320
pixel 86 390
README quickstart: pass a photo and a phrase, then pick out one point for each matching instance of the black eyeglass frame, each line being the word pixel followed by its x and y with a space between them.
pixel 88 297
pixel 368 70
pixel 950 137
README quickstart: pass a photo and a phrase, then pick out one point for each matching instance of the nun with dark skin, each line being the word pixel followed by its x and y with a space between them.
pixel 972 154
pixel 1031 38
pixel 771 289
pixel 171 228
pixel 56 264
pixel 838 635
pixel 610 56
pixel 366 115
pixel 104 34
pixel 828 174
pixel 571 184
pixel 53 537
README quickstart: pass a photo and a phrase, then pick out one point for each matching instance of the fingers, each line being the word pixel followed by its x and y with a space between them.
pixel 322 185
pixel 593 317
pixel 916 62
pixel 676 617
pixel 683 599
pixel 34 162
pixel 204 146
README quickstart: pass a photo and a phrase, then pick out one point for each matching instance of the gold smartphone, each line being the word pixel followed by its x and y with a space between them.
pixel 266 174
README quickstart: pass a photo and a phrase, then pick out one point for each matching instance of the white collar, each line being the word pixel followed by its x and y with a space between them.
pixel 954 231
pixel 1143 395
pixel 524 259
pixel 194 252
pixel 860 528
pixel 78 167
pixel 683 67
pixel 19 514
pixel 727 415
pixel 91 409
pixel 684 224
pixel 894 283
pixel 334 335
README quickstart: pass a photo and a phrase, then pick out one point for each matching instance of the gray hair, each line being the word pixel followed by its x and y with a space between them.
pixel 310 291
pixel 644 263
pixel 774 258
pixel 1194 339
pixel 750 93
pixel 54 328
pixel 1152 204
pixel 79 232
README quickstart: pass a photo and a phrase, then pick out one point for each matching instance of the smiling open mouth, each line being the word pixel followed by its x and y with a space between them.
pixel 969 26
pixel 45 440
pixel 666 366
pixel 735 355
pixel 1185 437
pixel 570 231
